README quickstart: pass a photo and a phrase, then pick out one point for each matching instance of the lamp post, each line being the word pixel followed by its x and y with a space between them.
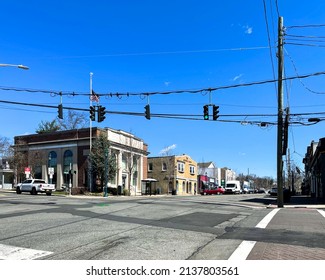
pixel 20 66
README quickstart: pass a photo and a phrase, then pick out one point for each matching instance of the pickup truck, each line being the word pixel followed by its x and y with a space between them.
pixel 35 186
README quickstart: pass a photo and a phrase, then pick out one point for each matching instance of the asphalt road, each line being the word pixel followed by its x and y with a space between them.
pixel 139 228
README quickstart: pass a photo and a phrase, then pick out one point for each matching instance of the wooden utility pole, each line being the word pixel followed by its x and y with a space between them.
pixel 280 114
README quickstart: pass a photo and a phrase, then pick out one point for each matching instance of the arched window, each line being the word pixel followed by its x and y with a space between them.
pixel 67 166
pixel 52 163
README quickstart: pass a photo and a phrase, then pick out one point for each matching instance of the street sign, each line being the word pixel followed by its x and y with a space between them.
pixel 51 171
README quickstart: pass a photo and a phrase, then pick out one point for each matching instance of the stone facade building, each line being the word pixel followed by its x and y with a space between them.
pixel 62 158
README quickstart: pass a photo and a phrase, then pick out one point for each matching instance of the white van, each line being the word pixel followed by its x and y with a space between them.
pixel 233 187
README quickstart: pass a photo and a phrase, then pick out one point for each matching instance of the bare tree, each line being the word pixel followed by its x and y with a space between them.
pixel 48 126
pixel 73 120
pixel 36 159
pixel 4 147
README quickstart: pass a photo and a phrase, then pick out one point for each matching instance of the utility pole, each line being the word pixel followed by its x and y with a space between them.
pixel 280 114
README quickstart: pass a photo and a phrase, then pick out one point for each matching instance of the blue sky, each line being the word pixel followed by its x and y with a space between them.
pixel 159 46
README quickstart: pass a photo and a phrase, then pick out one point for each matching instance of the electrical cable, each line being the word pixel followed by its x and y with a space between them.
pixel 62 93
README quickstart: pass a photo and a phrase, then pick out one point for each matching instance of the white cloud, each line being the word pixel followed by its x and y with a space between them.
pixel 237 77
pixel 248 29
pixel 167 149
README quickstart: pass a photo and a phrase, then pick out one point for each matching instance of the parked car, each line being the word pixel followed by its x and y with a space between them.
pixel 261 190
pixel 35 186
pixel 248 190
pixel 214 190
pixel 273 191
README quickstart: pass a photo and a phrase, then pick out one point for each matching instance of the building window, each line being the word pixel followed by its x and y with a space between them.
pixel 192 169
pixel 67 166
pixel 150 167
pixel 52 163
pixel 164 166
pixel 38 172
pixel 180 167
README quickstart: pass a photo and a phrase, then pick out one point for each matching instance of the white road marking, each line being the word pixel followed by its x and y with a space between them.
pixel 8 252
pixel 242 251
pixel 267 219
pixel 322 212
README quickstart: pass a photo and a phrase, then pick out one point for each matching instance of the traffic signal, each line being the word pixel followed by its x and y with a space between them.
pixel 92 113
pixel 101 113
pixel 147 111
pixel 215 112
pixel 60 111
pixel 206 112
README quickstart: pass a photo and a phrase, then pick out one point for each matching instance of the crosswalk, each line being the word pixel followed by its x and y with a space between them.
pixel 246 246
pixel 8 252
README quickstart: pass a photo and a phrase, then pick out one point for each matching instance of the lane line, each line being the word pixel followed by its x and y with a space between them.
pixel 8 252
pixel 265 221
pixel 322 212
pixel 242 251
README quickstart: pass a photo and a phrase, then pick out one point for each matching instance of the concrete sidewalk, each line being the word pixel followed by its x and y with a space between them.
pixel 294 234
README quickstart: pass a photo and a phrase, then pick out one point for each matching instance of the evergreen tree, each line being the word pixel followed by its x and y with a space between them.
pixel 101 160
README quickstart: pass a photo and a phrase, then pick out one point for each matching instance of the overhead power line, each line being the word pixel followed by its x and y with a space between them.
pixel 295 118
pixel 306 26
pixel 120 94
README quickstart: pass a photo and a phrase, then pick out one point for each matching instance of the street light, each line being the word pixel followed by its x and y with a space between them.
pixel 15 65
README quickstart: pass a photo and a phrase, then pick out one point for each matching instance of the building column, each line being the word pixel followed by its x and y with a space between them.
pixel 119 169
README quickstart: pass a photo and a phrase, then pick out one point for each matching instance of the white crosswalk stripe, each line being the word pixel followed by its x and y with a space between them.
pixel 8 252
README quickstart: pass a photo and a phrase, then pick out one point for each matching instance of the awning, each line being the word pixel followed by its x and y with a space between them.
pixel 149 180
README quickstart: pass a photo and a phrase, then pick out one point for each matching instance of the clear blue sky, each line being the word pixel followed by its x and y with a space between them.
pixel 148 46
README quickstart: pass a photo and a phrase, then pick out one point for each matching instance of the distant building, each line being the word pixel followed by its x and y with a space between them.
pixel 175 174
pixel 210 170
pixel 314 161
pixel 211 175
pixel 6 175
pixel 63 151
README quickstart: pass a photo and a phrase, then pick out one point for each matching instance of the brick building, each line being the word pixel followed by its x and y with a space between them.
pixel 63 151
pixel 314 161
pixel 175 174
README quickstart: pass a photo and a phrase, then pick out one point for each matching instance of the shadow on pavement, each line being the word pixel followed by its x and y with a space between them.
pixel 293 200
